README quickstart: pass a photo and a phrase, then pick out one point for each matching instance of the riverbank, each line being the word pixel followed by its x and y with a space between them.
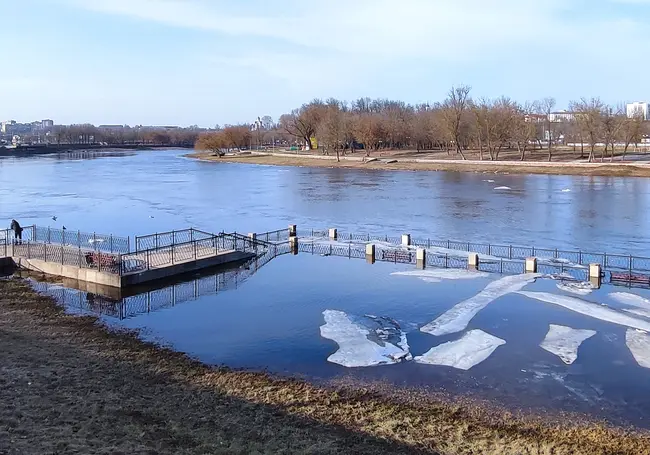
pixel 394 162
pixel 70 385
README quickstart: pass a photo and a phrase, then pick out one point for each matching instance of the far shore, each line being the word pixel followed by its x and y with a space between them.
pixel 407 162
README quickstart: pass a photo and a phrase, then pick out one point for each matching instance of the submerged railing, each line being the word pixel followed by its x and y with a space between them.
pixel 608 261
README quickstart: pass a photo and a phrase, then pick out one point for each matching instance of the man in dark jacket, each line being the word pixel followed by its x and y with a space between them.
pixel 18 231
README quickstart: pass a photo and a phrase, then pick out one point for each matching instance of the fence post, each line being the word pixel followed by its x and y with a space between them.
pixel 34 232
pixel 194 243
pixel 510 254
pixel 79 258
pixel 174 237
pixel 630 265
pixel 78 238
pixel 128 244
pixel 111 242
pixel 28 252
pixel 446 260
pixel 172 254
pixel 45 252
pixel 448 244
pixel 63 237
pixel 62 252
pixel 99 260
pixel 48 235
pixel 156 239
pixel 605 260
pixel 148 263
pixel 580 257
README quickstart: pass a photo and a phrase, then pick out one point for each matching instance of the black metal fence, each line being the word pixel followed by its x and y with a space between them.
pixel 170 238
pixel 158 299
pixel 280 235
pixel 107 243
pixel 66 255
pixel 552 256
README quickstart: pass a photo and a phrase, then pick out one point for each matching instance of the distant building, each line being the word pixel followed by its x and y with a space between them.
pixel 535 118
pixel 111 127
pixel 561 116
pixel 47 124
pixel 638 109
pixel 7 127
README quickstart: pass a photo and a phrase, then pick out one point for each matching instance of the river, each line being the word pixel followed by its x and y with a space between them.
pixel 291 316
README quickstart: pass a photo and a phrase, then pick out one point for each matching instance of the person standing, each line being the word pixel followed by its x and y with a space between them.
pixel 18 231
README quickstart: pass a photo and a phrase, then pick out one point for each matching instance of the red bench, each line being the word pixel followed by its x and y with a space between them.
pixel 96 259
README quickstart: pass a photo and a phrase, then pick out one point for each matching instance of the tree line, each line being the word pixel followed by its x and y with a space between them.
pixel 90 134
pixel 456 125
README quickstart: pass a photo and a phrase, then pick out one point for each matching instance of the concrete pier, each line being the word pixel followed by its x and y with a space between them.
pixel 595 275
pixel 473 261
pixel 421 258
pixel 531 265
pixel 370 253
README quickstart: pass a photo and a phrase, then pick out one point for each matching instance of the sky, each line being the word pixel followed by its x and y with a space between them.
pixel 208 62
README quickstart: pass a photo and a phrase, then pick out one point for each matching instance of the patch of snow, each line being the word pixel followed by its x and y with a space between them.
pixel 590 309
pixel 364 341
pixel 498 188
pixel 639 345
pixel 436 276
pixel 638 311
pixel 565 341
pixel 576 287
pixel 561 261
pixel 457 318
pixel 470 350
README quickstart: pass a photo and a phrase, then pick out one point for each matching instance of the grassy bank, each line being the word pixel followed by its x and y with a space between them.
pixel 407 164
pixel 68 385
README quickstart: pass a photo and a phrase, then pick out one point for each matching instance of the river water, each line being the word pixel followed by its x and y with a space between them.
pixel 274 318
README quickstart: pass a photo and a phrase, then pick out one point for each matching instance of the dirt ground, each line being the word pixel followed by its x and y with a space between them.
pixel 70 386
pixel 439 161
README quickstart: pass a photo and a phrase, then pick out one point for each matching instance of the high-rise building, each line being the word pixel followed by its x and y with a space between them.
pixel 47 124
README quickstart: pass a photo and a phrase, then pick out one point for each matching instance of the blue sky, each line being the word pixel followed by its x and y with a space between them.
pixel 215 61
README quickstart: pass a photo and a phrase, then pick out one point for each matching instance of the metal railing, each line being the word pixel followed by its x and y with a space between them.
pixel 170 238
pixel 28 234
pixel 66 255
pixel 280 235
pixel 207 245
pixel 160 298
pixel 107 243
pixel 608 261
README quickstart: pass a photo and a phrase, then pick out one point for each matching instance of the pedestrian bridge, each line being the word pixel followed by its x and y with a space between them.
pixel 107 260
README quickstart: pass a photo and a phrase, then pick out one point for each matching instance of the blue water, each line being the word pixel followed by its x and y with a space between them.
pixel 272 319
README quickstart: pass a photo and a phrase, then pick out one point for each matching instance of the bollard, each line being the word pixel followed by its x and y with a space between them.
pixel 334 235
pixel 595 275
pixel 292 230
pixel 293 244
pixel 406 239
pixel 370 253
pixel 421 258
pixel 472 261
pixel 531 265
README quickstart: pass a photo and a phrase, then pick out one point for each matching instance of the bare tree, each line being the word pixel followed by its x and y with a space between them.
pixel 546 107
pixel 332 129
pixel 302 123
pixel 524 128
pixel 212 142
pixel 455 109
pixel 631 131
pixel 588 116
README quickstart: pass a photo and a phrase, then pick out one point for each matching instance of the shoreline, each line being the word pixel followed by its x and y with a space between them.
pixel 73 385
pixel 616 169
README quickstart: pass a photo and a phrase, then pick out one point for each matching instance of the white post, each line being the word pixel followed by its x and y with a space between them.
pixel 333 233
pixel 421 258
pixel 531 265
pixel 406 239
pixel 472 261
pixel 370 253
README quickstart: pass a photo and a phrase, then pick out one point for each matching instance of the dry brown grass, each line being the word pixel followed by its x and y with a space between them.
pixel 510 167
pixel 69 385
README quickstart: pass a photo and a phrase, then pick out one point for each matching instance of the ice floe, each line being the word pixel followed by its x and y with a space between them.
pixel 364 340
pixel 470 350
pixel 566 190
pixel 564 341
pixel 457 318
pixel 590 309
pixel 576 287
pixel 436 276
pixel 499 188
pixel 639 345
pixel 627 298
pixel 489 181
pixel 638 311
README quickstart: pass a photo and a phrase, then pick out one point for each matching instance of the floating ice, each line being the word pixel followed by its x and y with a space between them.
pixel 566 190
pixel 576 287
pixel 638 311
pixel 639 345
pixel 565 341
pixel 364 341
pixel 593 310
pixel 457 318
pixel 627 298
pixel 503 188
pixel 489 181
pixel 436 276
pixel 560 261
pixel 473 348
